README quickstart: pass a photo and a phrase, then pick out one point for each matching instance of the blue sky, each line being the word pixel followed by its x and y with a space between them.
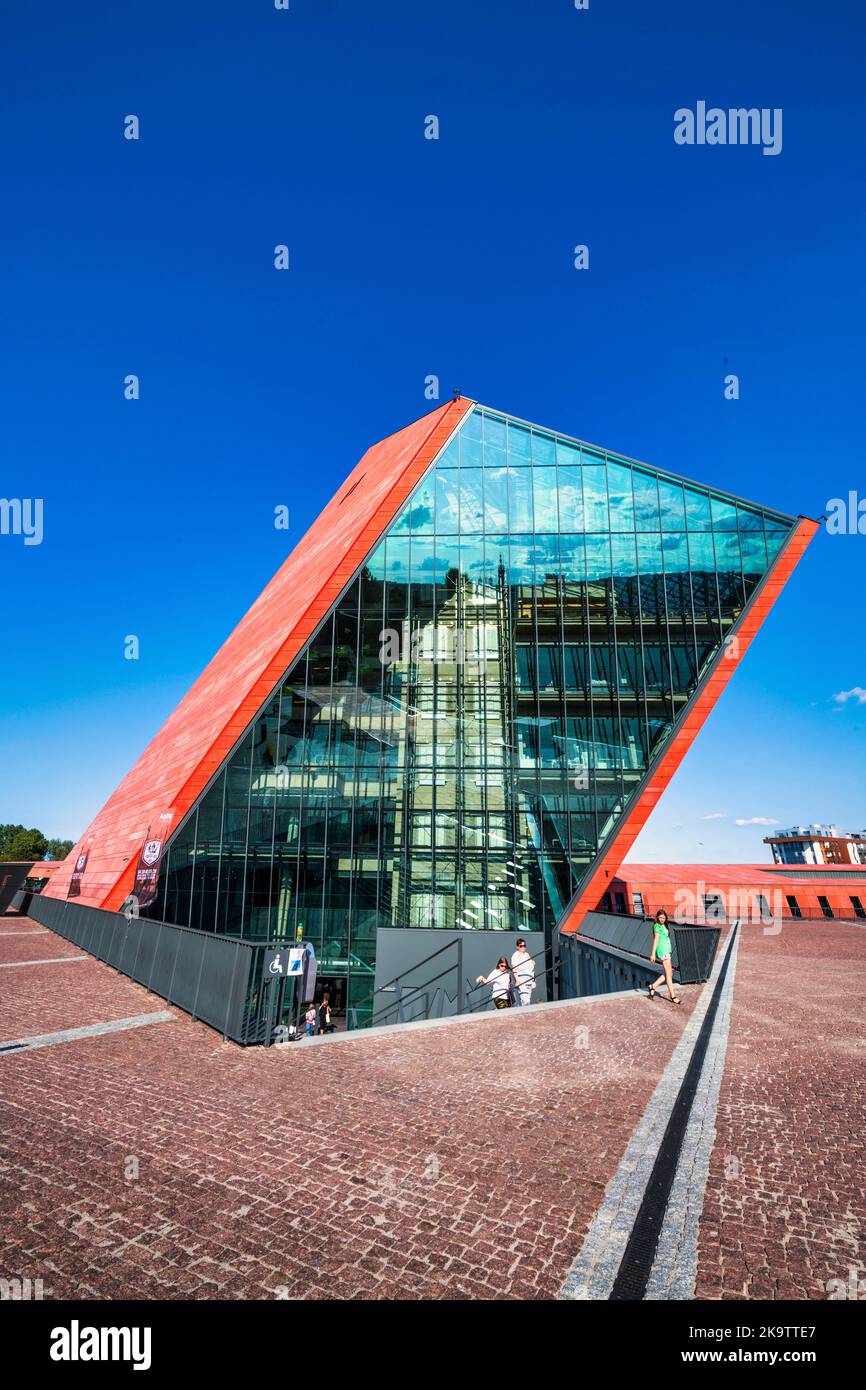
pixel 410 257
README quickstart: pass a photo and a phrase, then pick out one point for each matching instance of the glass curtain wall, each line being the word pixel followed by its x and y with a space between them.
pixel 460 738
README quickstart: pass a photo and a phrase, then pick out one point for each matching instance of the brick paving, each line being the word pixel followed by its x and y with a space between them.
pixel 31 945
pixel 785 1207
pixel 47 998
pixel 458 1162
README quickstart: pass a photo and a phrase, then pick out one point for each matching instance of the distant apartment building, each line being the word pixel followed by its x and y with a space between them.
pixel 818 844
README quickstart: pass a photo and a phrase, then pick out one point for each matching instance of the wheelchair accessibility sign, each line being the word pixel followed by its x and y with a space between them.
pixel 284 963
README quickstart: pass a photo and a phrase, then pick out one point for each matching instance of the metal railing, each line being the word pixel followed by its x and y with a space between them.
pixel 592 967
pixel 411 996
pixel 694 945
pixel 219 980
pixel 416 992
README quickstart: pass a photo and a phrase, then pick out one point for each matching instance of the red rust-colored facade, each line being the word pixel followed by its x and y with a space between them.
pixel 196 738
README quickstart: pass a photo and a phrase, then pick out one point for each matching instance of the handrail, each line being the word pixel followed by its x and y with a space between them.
pixel 375 1020
pixel 448 944
pixel 415 991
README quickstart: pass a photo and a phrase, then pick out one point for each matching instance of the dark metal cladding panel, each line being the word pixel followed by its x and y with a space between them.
pixel 589 967
pixel 115 940
pixel 215 978
pixel 694 947
pixel 12 876
pixel 148 945
pixel 215 987
pixel 165 955
pixel 48 912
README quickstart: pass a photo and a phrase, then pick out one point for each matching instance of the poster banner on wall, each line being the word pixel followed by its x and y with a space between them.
pixel 309 987
pixel 74 889
pixel 146 884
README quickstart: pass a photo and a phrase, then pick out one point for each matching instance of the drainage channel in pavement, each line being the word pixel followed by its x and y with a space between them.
pixel 642 1243
pixel 90 1030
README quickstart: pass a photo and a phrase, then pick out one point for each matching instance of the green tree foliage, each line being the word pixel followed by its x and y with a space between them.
pixel 19 843
pixel 58 849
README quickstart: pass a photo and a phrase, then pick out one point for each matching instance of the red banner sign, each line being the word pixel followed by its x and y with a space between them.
pixel 74 889
pixel 146 882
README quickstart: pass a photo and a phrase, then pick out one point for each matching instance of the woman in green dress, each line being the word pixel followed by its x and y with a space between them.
pixel 661 952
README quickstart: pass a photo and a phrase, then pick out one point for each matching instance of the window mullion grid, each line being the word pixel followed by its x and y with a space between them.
pixel 276 776
pixel 643 696
pixel 358 696
pixel 546 908
pixel 380 809
pixel 192 877
pixel 247 834
pixel 330 773
pixel 305 779
pixel 222 833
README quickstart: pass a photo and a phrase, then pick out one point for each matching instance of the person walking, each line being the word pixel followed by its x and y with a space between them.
pixel 661 952
pixel 524 972
pixel 502 981
pixel 310 1019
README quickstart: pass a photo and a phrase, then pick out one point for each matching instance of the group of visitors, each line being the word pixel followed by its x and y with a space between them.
pixel 512 984
pixel 317 1019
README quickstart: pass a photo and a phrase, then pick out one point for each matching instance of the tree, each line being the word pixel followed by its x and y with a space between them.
pixel 58 849
pixel 19 843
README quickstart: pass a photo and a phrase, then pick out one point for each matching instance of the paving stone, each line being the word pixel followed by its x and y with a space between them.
pixel 411 1165
pixel 784 1191
pixel 460 1162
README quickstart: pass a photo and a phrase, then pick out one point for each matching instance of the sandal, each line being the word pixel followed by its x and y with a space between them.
pixel 651 992
pixel 676 998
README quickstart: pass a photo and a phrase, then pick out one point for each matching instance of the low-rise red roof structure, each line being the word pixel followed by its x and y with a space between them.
pixel 753 892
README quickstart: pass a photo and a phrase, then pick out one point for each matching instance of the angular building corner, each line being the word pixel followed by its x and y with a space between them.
pixel 456 703
pixel 691 722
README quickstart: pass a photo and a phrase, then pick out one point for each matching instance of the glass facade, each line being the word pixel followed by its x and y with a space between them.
pixel 459 739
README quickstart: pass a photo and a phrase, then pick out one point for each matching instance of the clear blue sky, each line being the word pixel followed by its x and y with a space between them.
pixel 411 257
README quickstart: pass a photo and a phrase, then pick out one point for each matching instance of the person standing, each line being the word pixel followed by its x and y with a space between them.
pixel 661 952
pixel 524 972
pixel 503 983
pixel 325 1024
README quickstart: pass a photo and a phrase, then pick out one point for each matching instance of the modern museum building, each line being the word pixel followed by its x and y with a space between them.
pixel 452 709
